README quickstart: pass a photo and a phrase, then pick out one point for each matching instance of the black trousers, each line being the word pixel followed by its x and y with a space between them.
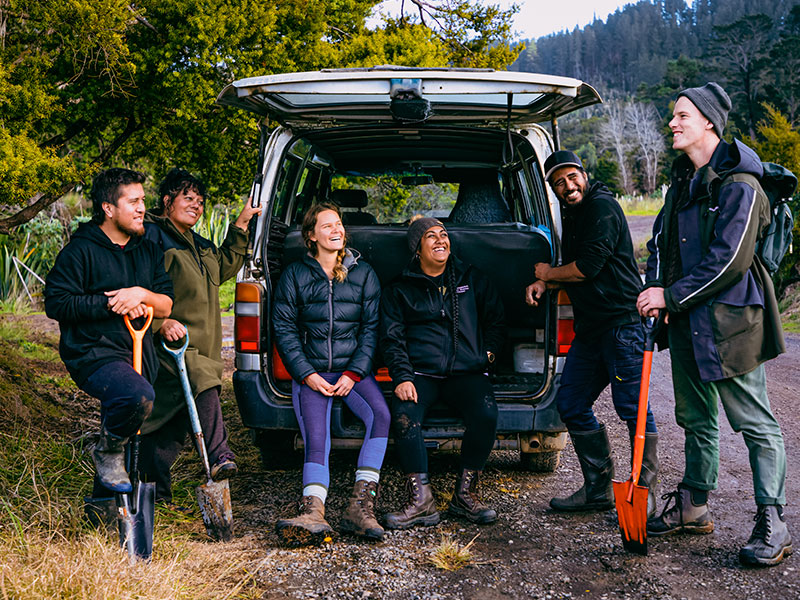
pixel 471 396
pixel 159 450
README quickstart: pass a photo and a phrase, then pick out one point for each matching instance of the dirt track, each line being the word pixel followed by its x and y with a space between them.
pixel 532 552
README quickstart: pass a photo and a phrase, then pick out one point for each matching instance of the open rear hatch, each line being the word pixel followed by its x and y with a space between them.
pixel 413 95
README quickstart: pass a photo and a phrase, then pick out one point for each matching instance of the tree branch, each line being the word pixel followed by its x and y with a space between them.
pixel 39 203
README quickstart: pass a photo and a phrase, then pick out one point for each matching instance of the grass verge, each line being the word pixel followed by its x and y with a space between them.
pixel 47 550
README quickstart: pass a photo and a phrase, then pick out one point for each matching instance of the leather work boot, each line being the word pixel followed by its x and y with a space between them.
pixel 421 506
pixel 359 518
pixel 310 527
pixel 466 502
pixel 683 517
pixel 594 455
pixel 770 541
pixel 223 469
pixel 649 472
pixel 109 460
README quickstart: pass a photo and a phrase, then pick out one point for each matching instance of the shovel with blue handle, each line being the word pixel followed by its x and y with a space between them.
pixel 213 497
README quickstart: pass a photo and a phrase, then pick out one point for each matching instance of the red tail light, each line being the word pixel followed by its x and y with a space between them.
pixel 279 371
pixel 247 325
pixel 565 331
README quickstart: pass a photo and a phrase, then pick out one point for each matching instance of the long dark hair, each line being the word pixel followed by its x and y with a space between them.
pixel 309 223
pixel 177 181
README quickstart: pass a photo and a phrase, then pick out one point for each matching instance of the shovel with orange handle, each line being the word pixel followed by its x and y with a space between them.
pixel 137 508
pixel 630 498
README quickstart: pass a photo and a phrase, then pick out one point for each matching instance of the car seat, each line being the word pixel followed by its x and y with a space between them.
pixel 480 201
pixel 353 199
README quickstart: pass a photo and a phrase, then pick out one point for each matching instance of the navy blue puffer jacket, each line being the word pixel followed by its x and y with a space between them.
pixel 322 326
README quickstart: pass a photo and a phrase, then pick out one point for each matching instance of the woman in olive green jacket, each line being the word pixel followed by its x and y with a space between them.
pixel 197 268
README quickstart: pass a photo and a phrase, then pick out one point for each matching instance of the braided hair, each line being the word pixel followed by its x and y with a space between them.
pixel 307 228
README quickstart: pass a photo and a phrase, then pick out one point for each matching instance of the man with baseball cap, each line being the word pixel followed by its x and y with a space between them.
pixel 723 320
pixel 599 273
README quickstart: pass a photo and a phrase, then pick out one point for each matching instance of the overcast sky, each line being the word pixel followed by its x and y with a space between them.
pixel 540 17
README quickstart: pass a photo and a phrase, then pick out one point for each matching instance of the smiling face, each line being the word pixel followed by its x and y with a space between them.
pixel 328 232
pixel 127 216
pixel 185 210
pixel 569 184
pixel 434 249
pixel 690 129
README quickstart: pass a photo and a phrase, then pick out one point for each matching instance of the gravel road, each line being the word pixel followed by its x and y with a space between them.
pixel 532 552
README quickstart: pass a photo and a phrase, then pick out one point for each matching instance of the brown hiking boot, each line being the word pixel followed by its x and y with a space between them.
pixel 683 516
pixel 770 541
pixel 466 502
pixel 359 519
pixel 421 507
pixel 310 527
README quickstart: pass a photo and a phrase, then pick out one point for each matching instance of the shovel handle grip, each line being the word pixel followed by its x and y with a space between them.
pixel 138 336
pixel 191 406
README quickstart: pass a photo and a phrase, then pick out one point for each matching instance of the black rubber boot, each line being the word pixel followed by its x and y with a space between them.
pixel 109 460
pixel 102 513
pixel 649 473
pixel 684 516
pixel 770 541
pixel 466 503
pixel 594 455
pixel 420 508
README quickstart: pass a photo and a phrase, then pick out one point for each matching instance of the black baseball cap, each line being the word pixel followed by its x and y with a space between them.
pixel 562 158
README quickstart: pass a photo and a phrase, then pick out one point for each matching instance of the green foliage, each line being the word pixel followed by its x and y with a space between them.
pixel 85 85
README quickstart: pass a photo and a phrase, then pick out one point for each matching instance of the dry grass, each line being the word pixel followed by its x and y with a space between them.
pixel 46 548
pixel 449 555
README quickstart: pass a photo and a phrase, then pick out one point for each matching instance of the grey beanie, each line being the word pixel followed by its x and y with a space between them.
pixel 418 228
pixel 713 102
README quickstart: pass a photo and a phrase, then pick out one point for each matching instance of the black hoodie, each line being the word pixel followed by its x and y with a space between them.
pixel 89 265
pixel 597 238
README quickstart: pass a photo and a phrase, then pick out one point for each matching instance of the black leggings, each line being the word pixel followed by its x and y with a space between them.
pixel 470 395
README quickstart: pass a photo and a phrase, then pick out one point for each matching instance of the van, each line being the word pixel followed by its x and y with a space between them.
pixel 384 144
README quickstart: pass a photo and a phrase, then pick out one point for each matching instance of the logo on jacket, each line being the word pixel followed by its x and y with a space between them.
pixel 462 288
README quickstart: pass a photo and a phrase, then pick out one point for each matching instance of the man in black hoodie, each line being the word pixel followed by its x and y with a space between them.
pixel 599 273
pixel 108 270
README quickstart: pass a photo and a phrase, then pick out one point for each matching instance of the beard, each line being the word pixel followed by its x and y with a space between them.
pixel 130 230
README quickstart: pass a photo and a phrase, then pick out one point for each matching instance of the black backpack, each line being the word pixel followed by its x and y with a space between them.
pixel 778 184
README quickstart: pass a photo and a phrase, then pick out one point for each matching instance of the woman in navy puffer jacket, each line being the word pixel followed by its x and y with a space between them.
pixel 325 318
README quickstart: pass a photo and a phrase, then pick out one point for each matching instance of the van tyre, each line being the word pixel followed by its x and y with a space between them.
pixel 540 462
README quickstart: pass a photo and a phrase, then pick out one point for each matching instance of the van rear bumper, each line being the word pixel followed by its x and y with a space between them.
pixel 259 409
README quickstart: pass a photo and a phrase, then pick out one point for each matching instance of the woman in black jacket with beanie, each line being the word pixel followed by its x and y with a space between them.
pixel 441 325
pixel 325 317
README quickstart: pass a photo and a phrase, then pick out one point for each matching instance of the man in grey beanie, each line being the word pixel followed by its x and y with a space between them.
pixel 723 320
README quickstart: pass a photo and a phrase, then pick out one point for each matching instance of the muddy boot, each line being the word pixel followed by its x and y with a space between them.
pixel 594 455
pixel 466 503
pixel 109 460
pixel 310 527
pixel 421 506
pixel 684 516
pixel 360 516
pixel 649 472
pixel 770 541
pixel 101 513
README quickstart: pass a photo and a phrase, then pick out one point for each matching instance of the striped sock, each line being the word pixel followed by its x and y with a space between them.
pixel 367 474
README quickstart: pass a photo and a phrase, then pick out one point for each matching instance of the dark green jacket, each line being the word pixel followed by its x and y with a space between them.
pixel 197 268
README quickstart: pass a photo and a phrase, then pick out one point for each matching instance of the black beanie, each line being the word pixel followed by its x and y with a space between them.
pixel 418 228
pixel 712 101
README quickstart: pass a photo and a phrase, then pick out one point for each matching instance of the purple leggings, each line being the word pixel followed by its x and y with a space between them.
pixel 313 411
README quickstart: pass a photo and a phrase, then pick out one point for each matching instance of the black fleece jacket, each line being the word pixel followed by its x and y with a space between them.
pixel 92 335
pixel 597 238
pixel 417 323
